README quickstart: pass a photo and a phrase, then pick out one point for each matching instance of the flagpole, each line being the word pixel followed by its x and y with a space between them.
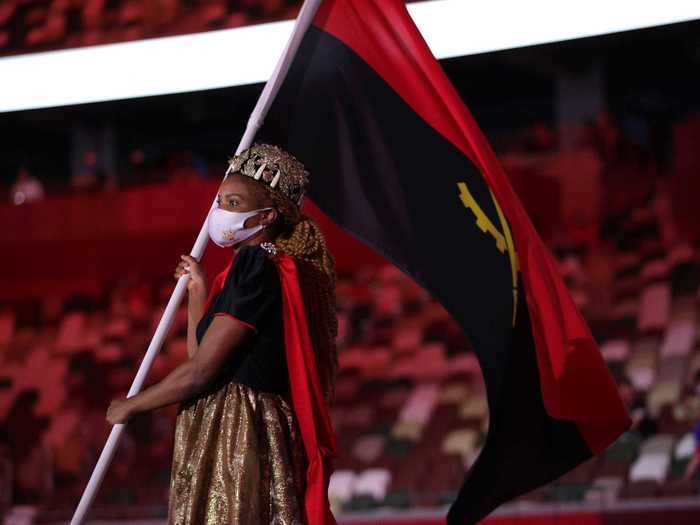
pixel 303 21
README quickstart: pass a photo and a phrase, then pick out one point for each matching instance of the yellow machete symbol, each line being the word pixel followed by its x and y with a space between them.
pixel 504 241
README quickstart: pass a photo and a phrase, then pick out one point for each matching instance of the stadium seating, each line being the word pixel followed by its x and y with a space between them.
pixel 39 25
pixel 411 412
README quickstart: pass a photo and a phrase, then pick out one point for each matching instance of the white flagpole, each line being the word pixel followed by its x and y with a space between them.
pixel 306 15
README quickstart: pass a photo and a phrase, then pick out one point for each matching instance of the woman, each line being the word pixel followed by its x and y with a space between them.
pixel 253 438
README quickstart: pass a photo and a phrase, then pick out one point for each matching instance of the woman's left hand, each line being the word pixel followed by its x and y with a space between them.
pixel 119 411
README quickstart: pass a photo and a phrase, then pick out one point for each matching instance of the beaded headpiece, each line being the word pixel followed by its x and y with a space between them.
pixel 275 168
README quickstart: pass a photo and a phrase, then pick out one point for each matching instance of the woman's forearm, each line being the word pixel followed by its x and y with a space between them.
pixel 177 386
pixel 195 312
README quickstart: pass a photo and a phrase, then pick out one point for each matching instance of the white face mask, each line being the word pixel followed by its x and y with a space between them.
pixel 226 227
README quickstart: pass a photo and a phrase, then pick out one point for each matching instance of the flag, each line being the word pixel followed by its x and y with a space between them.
pixel 397 160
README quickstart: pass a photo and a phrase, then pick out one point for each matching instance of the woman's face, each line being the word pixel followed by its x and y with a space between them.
pixel 241 193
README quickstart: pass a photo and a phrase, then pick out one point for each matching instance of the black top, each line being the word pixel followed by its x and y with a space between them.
pixel 252 294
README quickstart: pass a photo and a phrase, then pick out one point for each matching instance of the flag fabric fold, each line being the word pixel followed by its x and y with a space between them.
pixel 398 161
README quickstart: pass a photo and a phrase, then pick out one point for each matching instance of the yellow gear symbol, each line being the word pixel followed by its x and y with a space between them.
pixel 504 240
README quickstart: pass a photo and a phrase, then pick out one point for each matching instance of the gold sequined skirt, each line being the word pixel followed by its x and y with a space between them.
pixel 238 458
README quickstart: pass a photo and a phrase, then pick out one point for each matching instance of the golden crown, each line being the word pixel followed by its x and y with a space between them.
pixel 274 167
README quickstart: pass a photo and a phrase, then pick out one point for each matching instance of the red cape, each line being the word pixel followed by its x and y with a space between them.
pixel 307 398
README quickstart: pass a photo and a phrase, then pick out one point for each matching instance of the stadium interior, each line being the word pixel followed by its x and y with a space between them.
pixel 599 138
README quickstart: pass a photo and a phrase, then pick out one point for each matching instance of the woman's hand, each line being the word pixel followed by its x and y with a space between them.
pixel 119 411
pixel 189 265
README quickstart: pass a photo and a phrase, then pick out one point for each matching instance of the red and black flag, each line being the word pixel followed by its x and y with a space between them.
pixel 399 162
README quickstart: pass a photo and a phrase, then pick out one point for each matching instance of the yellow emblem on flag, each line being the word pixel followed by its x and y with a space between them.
pixel 504 240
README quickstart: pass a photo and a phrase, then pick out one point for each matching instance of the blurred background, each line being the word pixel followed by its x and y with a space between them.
pixel 599 136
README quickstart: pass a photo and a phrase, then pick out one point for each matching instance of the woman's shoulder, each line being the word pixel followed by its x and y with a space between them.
pixel 253 255
pixel 251 287
pixel 251 262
